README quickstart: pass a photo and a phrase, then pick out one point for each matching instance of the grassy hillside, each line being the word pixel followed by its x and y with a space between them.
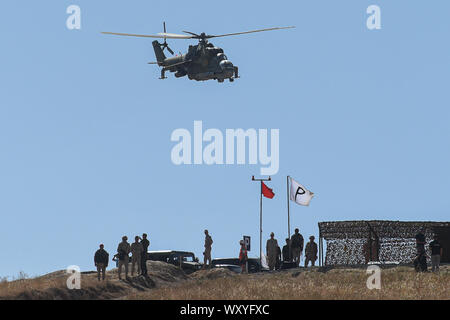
pixel 397 283
pixel 169 282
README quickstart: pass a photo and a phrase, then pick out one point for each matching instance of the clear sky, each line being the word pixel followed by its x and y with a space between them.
pixel 85 123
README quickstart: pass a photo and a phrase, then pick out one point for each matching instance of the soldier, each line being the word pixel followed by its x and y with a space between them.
pixel 420 262
pixel 123 250
pixel 287 256
pixel 436 253
pixel 243 256
pixel 101 259
pixel 296 246
pixel 272 251
pixel 278 260
pixel 310 252
pixel 145 244
pixel 136 253
pixel 207 253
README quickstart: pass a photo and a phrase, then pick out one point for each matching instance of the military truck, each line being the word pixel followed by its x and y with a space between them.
pixel 184 259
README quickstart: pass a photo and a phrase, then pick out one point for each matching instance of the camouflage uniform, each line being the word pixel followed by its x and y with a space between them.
pixel 296 247
pixel 145 243
pixel 136 252
pixel 207 253
pixel 272 252
pixel 124 248
pixel 310 253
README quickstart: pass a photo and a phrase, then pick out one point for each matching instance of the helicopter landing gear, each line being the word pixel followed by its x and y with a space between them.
pixel 236 72
pixel 163 75
pixel 231 80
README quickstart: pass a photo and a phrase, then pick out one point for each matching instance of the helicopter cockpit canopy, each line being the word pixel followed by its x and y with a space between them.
pixel 214 50
pixel 221 56
pixel 226 64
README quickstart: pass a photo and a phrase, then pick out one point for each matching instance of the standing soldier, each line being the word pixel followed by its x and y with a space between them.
pixel 207 253
pixel 136 253
pixel 278 260
pixel 272 251
pixel 243 256
pixel 436 253
pixel 420 262
pixel 310 252
pixel 287 256
pixel 123 250
pixel 145 244
pixel 296 247
pixel 101 259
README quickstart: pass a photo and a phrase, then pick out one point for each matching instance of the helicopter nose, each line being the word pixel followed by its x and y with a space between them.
pixel 226 65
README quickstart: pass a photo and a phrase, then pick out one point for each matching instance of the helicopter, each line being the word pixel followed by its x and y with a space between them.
pixel 202 62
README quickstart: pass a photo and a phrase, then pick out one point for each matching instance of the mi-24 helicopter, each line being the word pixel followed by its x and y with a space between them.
pixel 202 62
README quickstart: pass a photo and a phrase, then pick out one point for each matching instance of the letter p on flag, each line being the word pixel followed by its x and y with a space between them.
pixel 299 194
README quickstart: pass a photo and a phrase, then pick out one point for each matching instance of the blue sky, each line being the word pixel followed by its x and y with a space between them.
pixel 85 123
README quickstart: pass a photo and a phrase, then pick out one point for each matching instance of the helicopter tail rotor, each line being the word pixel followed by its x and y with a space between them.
pixel 164 45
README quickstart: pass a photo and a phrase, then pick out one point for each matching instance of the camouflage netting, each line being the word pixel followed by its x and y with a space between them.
pixel 358 242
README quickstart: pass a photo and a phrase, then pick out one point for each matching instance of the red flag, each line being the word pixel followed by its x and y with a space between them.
pixel 266 191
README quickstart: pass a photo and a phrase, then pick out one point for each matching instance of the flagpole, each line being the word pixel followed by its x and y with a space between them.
pixel 260 226
pixel 260 218
pixel 289 219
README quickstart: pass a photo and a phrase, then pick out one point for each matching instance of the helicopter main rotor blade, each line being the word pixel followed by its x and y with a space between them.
pixel 158 36
pixel 194 34
pixel 164 35
pixel 174 35
pixel 253 31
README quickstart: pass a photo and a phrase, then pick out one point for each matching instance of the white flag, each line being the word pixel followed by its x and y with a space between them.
pixel 299 193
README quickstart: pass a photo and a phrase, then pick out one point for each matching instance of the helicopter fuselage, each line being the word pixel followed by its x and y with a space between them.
pixel 202 62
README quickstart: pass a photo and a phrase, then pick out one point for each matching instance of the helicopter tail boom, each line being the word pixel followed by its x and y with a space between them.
pixel 159 53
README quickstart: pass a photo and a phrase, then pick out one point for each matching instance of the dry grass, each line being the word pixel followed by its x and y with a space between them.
pixel 169 282
pixel 397 283
pixel 54 287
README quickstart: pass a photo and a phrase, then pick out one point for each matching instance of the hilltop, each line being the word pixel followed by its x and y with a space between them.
pixel 166 281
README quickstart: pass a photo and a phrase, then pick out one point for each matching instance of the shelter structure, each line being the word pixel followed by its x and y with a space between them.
pixel 361 242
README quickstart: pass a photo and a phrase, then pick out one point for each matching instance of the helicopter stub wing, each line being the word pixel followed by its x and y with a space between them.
pixel 171 65
pixel 177 64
